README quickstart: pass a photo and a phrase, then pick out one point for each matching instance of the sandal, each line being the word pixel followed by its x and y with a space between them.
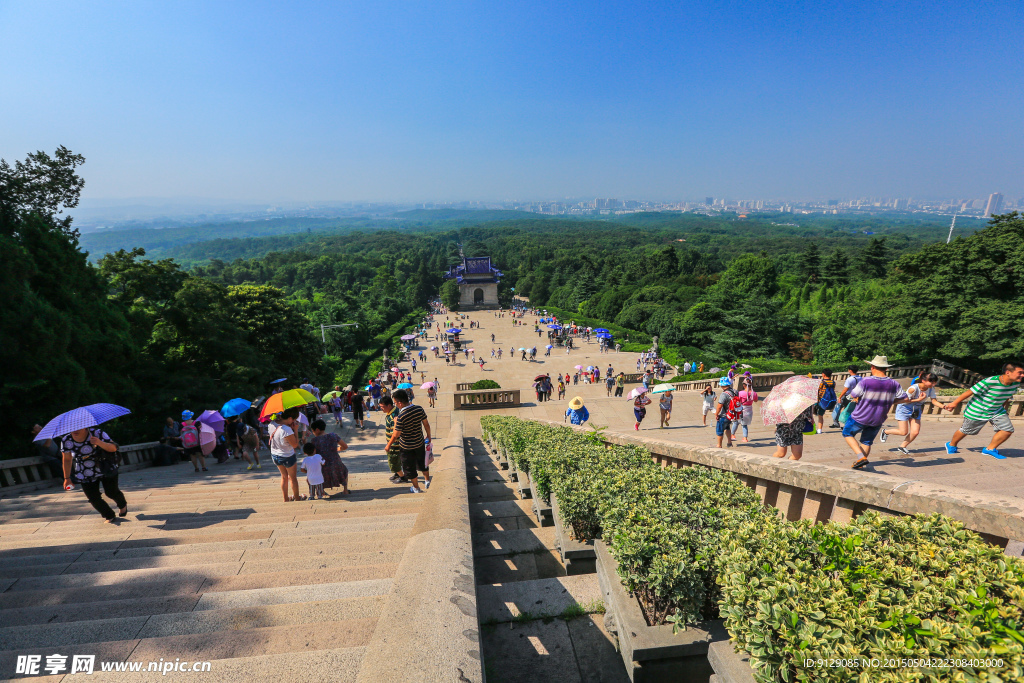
pixel 860 463
pixel 123 512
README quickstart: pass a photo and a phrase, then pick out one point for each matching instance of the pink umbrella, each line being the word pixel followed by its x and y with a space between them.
pixel 639 391
pixel 579 367
pixel 787 400
pixel 207 438
pixel 471 350
pixel 212 418
pixel 394 369
pixel 426 385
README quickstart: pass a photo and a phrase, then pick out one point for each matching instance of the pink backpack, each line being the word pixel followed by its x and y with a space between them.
pixel 189 434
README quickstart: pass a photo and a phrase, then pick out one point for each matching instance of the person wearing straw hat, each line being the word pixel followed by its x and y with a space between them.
pixel 874 395
pixel 577 413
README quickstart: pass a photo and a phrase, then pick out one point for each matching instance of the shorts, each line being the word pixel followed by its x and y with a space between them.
pixel 194 452
pixel 705 409
pixel 284 461
pixel 1000 422
pixel 723 424
pixel 414 459
pixel 639 414
pixel 867 432
pixel 818 410
pixel 908 412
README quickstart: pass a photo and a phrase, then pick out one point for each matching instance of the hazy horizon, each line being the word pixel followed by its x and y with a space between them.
pixel 405 103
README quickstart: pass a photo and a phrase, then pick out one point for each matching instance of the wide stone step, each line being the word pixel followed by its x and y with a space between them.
pixel 86 611
pixel 567 596
pixel 513 542
pixel 133 590
pixel 122 565
pixel 302 577
pixel 263 616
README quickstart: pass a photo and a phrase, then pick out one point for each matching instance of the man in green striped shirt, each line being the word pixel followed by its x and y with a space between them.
pixel 988 405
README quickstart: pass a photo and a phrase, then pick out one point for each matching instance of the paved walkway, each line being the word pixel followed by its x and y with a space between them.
pixel 969 469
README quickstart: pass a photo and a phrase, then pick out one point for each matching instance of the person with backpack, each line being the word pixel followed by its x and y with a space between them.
pixel 843 399
pixel 728 409
pixel 190 440
pixel 827 398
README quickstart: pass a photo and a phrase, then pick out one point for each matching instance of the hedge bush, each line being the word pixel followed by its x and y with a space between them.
pixel 880 587
pixel 695 543
pixel 485 384
pixel 664 527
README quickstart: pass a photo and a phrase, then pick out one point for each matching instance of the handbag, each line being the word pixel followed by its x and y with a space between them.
pixel 844 415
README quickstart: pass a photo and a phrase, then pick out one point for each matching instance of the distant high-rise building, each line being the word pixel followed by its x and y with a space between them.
pixel 901 204
pixel 709 201
pixel 995 204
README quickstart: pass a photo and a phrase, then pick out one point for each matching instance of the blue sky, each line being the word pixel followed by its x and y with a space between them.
pixel 514 100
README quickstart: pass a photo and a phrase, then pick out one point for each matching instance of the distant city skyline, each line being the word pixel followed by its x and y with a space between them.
pixel 460 101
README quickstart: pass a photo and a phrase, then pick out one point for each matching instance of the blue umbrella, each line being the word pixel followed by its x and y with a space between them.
pixel 235 406
pixel 405 385
pixel 278 381
pixel 555 327
pixel 454 330
pixel 604 335
pixel 80 418
pixel 602 330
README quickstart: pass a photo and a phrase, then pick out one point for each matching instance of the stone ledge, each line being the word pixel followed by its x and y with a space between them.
pixel 428 626
pixel 577 556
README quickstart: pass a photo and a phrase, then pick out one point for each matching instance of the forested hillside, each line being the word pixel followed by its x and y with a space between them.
pixel 152 336
pixel 162 334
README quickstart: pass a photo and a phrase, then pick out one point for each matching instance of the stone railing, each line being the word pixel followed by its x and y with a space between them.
pixel 486 398
pixel 804 490
pixel 28 474
pixel 763 381
pixel 464 386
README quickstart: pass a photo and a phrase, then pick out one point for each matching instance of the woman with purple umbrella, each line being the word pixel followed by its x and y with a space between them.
pixel 89 454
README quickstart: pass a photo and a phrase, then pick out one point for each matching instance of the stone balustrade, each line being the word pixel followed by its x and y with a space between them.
pixel 486 398
pixel 804 490
pixel 28 474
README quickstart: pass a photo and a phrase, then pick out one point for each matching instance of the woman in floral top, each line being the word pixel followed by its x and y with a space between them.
pixel 89 459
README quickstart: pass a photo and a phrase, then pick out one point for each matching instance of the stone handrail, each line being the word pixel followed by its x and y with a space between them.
pixel 804 490
pixel 763 381
pixel 28 474
pixel 766 380
pixel 486 398
pixel 464 386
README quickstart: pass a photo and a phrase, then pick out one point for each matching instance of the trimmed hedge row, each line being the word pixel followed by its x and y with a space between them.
pixel 664 527
pixel 695 543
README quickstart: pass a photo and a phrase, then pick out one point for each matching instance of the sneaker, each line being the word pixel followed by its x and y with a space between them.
pixel 994 453
pixel 259 466
pixel 394 479
pixel 884 436
pixel 428 484
pixel 413 489
pixel 205 470
pixel 834 425
pixel 860 463
pixel 249 467
pixel 903 450
pixel 951 449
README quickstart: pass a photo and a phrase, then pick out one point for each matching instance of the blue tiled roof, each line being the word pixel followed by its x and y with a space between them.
pixel 478 265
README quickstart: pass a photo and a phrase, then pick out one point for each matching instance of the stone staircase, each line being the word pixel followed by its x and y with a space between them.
pixel 536 623
pixel 207 567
